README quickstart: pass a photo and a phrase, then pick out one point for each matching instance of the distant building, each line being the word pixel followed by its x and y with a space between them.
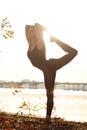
pixel 40 85
pixel 3 84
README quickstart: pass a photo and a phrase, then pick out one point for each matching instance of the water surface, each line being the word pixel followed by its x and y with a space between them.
pixel 71 105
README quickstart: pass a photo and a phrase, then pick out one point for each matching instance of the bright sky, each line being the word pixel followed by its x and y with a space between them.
pixel 67 19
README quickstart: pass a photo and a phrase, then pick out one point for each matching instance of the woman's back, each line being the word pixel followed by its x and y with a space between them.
pixel 34 35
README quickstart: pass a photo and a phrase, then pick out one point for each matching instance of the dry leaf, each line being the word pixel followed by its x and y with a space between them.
pixel 6 29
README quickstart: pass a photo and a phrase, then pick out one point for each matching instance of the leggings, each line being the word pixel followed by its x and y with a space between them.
pixel 48 67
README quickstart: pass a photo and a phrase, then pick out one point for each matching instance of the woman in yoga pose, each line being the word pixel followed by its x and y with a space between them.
pixel 37 55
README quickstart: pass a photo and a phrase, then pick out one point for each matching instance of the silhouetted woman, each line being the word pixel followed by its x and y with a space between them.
pixel 37 55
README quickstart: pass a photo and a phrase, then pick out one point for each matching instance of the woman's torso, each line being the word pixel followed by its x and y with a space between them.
pixel 37 56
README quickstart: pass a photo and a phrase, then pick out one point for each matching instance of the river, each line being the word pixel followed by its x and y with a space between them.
pixel 70 105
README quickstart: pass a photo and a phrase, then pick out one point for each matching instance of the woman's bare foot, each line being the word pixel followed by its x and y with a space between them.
pixel 48 118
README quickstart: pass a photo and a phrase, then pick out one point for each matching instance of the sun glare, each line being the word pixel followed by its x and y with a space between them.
pixel 52 49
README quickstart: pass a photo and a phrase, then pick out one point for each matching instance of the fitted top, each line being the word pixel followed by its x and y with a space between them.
pixel 36 52
pixel 37 56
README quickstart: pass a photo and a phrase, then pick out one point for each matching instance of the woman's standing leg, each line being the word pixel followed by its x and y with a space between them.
pixel 49 80
pixel 50 102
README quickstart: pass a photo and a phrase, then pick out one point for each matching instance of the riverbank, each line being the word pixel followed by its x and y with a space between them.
pixel 18 122
pixel 70 105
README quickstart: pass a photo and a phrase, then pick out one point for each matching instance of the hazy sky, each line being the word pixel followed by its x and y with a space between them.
pixel 67 19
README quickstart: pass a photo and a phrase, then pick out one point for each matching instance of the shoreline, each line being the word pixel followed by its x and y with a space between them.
pixel 66 103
